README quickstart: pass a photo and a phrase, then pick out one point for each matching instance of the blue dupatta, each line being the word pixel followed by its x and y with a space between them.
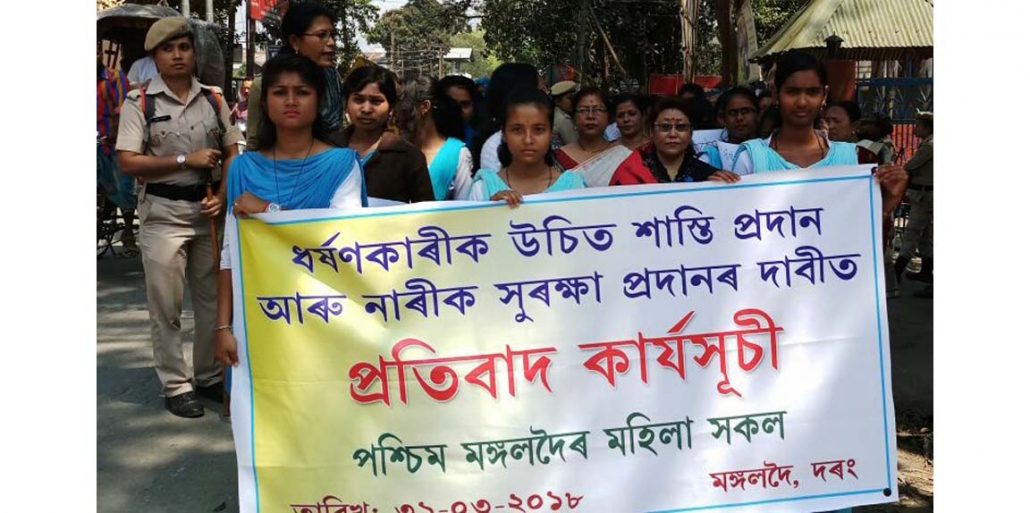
pixel 764 159
pixel 444 167
pixel 292 184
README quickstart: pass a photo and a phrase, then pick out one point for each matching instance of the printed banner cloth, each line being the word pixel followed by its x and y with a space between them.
pixel 664 348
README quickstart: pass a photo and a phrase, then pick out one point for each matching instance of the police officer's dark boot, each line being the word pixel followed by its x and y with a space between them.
pixel 925 273
pixel 899 267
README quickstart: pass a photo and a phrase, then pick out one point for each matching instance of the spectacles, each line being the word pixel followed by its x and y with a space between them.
pixel 667 127
pixel 740 112
pixel 586 111
pixel 324 35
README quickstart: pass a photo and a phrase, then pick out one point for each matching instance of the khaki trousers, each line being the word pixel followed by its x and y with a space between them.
pixel 175 243
pixel 919 232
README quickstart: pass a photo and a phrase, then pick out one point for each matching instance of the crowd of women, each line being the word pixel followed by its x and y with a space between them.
pixel 316 139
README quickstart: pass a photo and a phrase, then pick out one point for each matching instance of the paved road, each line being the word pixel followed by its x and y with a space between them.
pixel 149 460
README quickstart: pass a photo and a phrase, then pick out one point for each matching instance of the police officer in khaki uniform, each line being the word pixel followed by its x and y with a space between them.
pixel 919 232
pixel 564 126
pixel 173 154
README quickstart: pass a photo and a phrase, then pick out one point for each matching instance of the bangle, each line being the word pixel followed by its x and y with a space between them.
pixel 226 327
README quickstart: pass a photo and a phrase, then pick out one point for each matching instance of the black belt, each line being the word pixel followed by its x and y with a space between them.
pixel 194 192
pixel 920 188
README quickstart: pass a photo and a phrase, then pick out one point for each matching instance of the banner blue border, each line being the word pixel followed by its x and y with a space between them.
pixel 628 194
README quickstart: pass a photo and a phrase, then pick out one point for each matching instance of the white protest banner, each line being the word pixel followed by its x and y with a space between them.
pixel 666 348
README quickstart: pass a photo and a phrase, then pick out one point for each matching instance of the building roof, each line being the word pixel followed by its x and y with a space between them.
pixel 458 54
pixel 374 55
pixel 871 30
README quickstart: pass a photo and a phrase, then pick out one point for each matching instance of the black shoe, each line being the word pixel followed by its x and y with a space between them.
pixel 185 405
pixel 213 392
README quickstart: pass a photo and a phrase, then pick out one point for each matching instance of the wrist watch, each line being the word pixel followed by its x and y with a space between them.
pixel 272 207
pixel 181 160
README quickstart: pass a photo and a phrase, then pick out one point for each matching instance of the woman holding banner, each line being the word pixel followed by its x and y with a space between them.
pixel 591 156
pixel 670 157
pixel 800 89
pixel 527 163
pixel 293 168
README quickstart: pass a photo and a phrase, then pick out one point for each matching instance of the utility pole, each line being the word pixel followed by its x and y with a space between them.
pixel 251 27
pixel 186 8
pixel 441 63
pixel 209 10
pixel 393 51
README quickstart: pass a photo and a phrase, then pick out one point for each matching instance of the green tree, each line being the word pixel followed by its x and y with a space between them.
pixel 483 61
pixel 645 36
pixel 770 15
pixel 532 31
pixel 417 35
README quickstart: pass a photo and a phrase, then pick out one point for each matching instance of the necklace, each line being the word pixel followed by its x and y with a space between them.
pixel 507 179
pixel 823 149
pixel 275 175
pixel 588 152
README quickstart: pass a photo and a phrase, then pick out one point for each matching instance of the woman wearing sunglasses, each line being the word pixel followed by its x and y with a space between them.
pixel 670 156
pixel 308 30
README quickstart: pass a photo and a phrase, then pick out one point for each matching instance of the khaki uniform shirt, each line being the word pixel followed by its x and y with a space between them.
pixel 920 166
pixel 191 126
pixel 564 127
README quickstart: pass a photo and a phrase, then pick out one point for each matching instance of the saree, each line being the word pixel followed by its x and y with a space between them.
pixel 598 170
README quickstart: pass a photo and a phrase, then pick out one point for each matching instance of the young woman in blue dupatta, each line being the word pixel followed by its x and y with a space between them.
pixel 527 162
pixel 431 120
pixel 801 90
pixel 294 168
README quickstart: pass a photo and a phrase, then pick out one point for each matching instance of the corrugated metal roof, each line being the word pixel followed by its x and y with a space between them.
pixel 871 29
pixel 458 54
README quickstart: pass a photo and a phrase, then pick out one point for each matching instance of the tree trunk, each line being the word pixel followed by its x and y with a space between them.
pixel 727 39
pixel 581 37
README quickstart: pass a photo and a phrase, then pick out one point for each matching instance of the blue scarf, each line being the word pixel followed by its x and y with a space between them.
pixel 444 167
pixel 292 184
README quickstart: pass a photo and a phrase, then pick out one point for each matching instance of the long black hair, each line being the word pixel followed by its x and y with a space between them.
pixel 724 98
pixel 850 108
pixel 638 102
pixel 310 73
pixel 795 61
pixel 298 18
pixel 505 79
pixel 591 91
pixel 675 103
pixel 519 97
pixel 444 111
pixel 372 74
